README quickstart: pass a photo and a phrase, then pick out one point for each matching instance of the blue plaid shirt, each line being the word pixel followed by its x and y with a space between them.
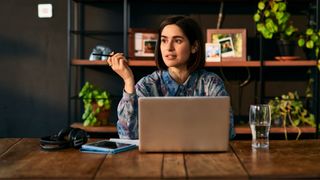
pixel 160 83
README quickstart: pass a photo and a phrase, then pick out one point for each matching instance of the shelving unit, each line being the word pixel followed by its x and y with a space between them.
pixel 146 63
pixel 78 59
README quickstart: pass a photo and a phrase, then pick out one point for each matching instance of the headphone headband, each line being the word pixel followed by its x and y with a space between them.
pixel 69 137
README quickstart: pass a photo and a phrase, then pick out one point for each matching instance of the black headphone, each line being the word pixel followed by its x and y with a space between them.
pixel 69 137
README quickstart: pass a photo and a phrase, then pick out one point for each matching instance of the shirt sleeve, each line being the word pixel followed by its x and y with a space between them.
pixel 127 123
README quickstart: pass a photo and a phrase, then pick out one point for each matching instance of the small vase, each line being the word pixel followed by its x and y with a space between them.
pixel 286 47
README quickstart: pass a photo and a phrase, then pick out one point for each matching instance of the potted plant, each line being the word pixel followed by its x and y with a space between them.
pixel 273 21
pixel 289 111
pixel 97 104
pixel 311 40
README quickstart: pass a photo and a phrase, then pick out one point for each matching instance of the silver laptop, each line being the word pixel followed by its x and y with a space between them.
pixel 184 124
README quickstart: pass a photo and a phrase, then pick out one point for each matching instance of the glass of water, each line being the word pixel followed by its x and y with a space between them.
pixel 260 120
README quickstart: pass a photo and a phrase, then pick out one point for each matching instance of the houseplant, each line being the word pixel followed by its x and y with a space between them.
pixel 97 104
pixel 273 22
pixel 289 111
pixel 272 19
pixel 310 40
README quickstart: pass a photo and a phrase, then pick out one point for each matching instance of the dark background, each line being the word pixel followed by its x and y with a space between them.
pixel 33 58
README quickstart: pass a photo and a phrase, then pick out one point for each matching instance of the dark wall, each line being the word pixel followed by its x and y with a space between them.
pixel 33 59
pixel 33 71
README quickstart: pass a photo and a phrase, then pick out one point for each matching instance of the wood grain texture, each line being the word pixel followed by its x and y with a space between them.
pixel 214 165
pixel 27 161
pixel 284 159
pixel 6 143
pixel 173 166
pixel 23 159
pixel 131 164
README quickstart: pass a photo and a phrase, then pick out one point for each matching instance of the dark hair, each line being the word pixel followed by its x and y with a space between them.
pixel 193 32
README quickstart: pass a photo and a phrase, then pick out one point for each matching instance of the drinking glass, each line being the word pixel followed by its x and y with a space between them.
pixel 260 120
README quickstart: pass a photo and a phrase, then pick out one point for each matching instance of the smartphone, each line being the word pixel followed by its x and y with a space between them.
pixel 106 147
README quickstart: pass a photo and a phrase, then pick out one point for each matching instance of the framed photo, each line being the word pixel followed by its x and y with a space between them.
pixel 142 43
pixel 213 52
pixel 232 42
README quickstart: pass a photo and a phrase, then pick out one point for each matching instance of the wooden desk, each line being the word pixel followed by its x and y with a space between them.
pixel 23 159
pixel 284 159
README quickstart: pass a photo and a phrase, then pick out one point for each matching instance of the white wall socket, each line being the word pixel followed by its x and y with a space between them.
pixel 45 10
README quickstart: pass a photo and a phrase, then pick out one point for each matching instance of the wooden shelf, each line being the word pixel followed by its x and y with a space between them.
pixel 239 129
pixel 253 63
pixel 95 129
pixel 96 32
pixel 246 130
pixel 291 63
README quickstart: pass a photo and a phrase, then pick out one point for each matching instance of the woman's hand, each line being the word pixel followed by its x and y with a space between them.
pixel 119 64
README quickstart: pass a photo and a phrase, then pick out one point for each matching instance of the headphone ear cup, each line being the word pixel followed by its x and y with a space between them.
pixel 54 142
pixel 77 137
pixel 63 133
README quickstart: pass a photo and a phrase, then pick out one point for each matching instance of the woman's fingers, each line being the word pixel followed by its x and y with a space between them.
pixel 109 60
pixel 119 64
pixel 115 60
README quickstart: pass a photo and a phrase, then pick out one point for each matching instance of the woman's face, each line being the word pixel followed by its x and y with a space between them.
pixel 175 47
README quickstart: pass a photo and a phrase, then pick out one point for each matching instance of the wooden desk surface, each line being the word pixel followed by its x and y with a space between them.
pixel 23 159
pixel 284 159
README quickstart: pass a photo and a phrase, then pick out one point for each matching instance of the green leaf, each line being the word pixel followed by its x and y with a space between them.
pixel 104 94
pixel 86 123
pixel 93 121
pixel 260 27
pixel 261 5
pixel 86 113
pixel 317 52
pixel 107 106
pixel 266 13
pixel 271 26
pixel 275 7
pixel 314 37
pixel 100 102
pixel 301 42
pixel 310 44
pixel 290 30
pixel 282 6
pixel 296 122
pixel 309 31
pixel 279 16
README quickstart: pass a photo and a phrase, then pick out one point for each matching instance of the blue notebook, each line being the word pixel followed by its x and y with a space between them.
pixel 106 147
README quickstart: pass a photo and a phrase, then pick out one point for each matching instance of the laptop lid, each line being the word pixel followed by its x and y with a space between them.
pixel 184 124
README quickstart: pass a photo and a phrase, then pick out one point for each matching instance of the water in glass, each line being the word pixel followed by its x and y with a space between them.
pixel 260 120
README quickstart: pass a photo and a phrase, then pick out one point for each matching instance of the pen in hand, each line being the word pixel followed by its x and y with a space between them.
pixel 109 55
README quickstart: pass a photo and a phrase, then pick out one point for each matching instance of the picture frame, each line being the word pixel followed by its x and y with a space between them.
pixel 232 42
pixel 142 43
pixel 213 52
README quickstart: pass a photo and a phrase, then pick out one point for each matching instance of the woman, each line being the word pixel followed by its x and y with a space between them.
pixel 180 58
